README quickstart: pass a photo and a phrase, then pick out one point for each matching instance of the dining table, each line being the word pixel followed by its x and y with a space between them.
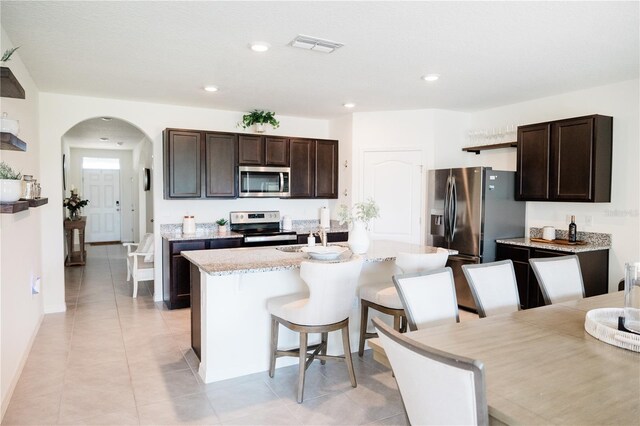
pixel 542 367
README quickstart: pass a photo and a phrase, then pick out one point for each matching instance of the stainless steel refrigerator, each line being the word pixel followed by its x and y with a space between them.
pixel 468 209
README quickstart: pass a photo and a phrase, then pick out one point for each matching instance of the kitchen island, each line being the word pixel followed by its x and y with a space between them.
pixel 230 327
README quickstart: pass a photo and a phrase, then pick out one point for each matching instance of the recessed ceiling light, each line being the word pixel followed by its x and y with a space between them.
pixel 106 118
pixel 431 77
pixel 210 88
pixel 119 143
pixel 104 139
pixel 349 105
pixel 259 46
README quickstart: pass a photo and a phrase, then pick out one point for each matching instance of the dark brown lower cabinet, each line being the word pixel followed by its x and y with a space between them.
pixel 176 270
pixel 332 237
pixel 594 266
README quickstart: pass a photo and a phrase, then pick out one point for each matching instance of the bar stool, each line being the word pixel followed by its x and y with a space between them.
pixel 325 308
pixel 383 297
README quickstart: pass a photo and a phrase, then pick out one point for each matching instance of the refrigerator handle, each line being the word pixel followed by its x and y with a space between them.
pixel 453 202
pixel 446 209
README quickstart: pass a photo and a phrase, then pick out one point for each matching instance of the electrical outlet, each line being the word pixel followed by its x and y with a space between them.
pixel 588 220
pixel 35 284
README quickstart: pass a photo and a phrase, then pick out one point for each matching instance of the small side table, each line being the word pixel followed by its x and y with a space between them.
pixel 75 257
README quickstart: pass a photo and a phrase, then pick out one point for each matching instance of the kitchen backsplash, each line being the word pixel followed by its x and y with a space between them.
pixel 298 225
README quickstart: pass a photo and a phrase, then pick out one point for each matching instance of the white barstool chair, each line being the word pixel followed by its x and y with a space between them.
pixel 436 387
pixel 429 298
pixel 325 308
pixel 383 297
pixel 494 287
pixel 560 278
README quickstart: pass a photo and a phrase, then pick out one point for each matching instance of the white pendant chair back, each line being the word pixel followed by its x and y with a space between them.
pixel 429 298
pixel 560 278
pixel 437 388
pixel 494 287
pixel 418 262
pixel 332 287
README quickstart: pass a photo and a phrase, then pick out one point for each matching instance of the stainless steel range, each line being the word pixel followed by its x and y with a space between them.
pixel 261 228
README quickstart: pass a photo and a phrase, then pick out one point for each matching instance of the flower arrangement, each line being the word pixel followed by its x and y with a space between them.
pixel 259 117
pixel 363 212
pixel 74 204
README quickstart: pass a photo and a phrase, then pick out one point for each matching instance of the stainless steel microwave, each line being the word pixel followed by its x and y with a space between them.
pixel 264 181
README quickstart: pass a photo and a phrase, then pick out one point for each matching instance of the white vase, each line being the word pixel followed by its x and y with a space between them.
pixel 259 127
pixel 10 190
pixel 222 229
pixel 359 238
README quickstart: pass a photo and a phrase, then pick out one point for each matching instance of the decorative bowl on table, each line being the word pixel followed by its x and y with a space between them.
pixel 324 253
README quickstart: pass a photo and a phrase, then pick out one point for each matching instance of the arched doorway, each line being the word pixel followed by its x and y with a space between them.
pixel 109 161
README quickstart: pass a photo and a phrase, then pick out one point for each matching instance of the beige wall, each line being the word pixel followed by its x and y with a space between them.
pixel 20 241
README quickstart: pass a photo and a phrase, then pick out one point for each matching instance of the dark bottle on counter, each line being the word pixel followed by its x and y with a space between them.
pixel 573 231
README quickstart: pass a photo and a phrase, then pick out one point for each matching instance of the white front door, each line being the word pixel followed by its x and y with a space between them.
pixel 395 181
pixel 102 189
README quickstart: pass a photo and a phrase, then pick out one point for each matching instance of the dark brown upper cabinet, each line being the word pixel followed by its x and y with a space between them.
pixel 314 168
pixel 326 169
pixel 565 160
pixel 221 157
pixel 182 164
pixel 200 164
pixel 263 151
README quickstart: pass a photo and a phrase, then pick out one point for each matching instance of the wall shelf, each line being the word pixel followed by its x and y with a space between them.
pixel 15 207
pixel 9 85
pixel 18 206
pixel 477 149
pixel 11 142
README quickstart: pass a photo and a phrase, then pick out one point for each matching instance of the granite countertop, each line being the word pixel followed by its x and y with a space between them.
pixel 207 231
pixel 199 235
pixel 266 259
pixel 595 241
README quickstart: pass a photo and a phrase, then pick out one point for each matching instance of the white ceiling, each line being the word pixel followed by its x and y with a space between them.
pixel 87 134
pixel 488 53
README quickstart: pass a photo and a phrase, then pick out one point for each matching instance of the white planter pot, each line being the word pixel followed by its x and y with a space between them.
pixel 259 128
pixel 10 190
pixel 359 238
pixel 222 229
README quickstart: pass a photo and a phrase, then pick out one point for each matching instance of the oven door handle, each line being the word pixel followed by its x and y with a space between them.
pixel 281 182
pixel 265 238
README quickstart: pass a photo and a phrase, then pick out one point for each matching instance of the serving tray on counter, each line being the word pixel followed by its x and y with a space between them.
pixel 559 242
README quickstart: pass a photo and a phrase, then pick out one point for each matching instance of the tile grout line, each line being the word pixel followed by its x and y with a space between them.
pixel 73 325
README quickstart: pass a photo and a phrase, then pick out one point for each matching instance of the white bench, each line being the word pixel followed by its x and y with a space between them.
pixel 140 261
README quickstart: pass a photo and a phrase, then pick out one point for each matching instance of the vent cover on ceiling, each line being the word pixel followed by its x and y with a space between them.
pixel 315 44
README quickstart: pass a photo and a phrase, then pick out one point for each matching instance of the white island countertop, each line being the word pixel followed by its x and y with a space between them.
pixel 266 259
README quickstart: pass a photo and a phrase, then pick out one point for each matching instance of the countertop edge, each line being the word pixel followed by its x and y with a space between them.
pixel 526 242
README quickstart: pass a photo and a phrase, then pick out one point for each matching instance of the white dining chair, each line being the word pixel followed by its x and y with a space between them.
pixel 383 297
pixel 428 298
pixel 494 287
pixel 560 278
pixel 140 261
pixel 325 308
pixel 436 387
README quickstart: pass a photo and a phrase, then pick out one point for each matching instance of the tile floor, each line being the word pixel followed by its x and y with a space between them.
pixel 114 360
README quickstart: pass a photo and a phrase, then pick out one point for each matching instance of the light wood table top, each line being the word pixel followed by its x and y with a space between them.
pixel 542 367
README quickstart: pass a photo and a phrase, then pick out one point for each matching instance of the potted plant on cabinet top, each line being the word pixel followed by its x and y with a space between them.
pixel 222 225
pixel 258 119
pixel 10 184
pixel 360 215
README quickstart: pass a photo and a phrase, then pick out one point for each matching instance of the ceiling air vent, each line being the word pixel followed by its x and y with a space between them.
pixel 315 44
